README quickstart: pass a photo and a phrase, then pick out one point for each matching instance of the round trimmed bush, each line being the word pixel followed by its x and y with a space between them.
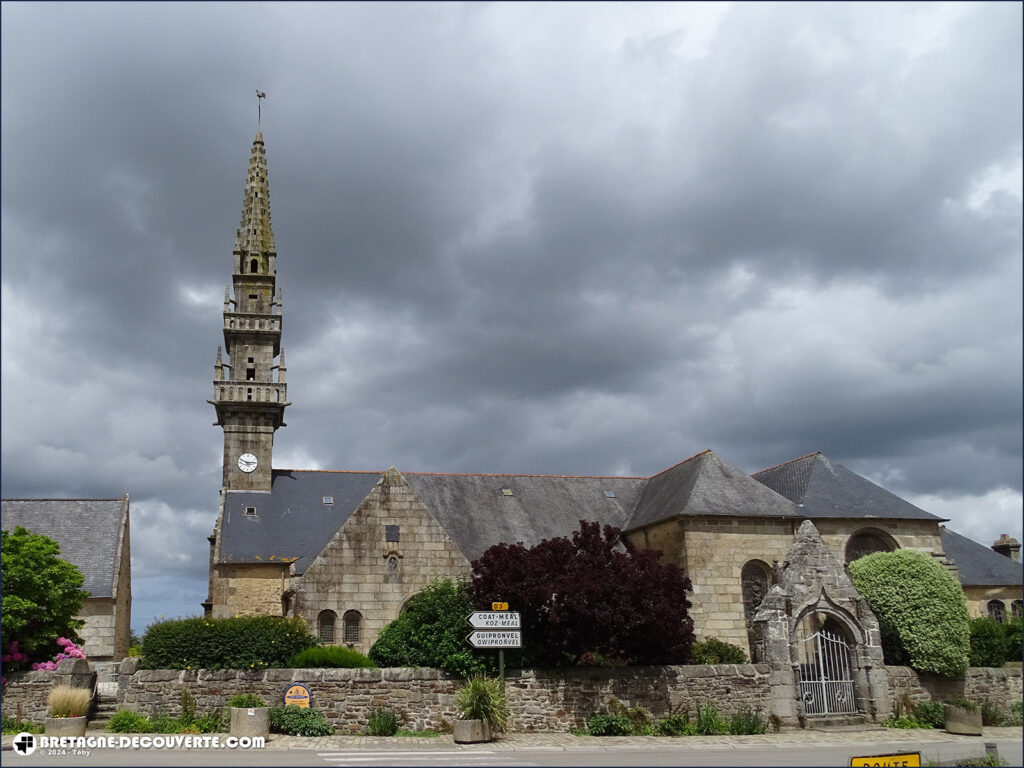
pixel 920 605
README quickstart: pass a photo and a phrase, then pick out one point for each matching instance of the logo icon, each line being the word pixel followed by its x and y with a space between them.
pixel 24 743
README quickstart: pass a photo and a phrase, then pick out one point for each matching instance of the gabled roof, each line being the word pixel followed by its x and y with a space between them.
pixel 824 488
pixel 87 530
pixel 292 522
pixel 476 514
pixel 979 566
pixel 706 485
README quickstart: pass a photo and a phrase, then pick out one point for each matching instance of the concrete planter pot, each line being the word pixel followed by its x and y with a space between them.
pixel 472 731
pixel 963 720
pixel 252 721
pixel 66 726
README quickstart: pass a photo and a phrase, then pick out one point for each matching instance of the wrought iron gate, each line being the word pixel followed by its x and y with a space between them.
pixel 826 685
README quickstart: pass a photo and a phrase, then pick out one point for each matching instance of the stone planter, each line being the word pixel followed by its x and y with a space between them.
pixel 963 720
pixel 66 726
pixel 472 731
pixel 252 721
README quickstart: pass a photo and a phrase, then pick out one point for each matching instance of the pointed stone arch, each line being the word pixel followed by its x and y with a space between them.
pixel 813 591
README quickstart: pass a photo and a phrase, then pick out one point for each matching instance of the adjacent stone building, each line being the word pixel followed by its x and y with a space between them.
pixel 345 550
pixel 93 535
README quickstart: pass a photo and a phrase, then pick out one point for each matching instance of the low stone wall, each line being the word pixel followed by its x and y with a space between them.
pixel 24 695
pixel 540 700
pixel 999 687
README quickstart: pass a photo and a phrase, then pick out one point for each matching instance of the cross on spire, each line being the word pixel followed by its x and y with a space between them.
pixel 260 96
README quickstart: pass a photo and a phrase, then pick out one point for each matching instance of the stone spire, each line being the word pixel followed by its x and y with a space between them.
pixel 254 236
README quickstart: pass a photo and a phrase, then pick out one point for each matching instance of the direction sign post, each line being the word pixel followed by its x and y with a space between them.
pixel 495 638
pixel 494 620
pixel 498 628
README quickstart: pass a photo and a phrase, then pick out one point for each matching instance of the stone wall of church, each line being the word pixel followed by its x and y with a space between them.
pixel 922 535
pixel 978 599
pixel 361 570
pixel 249 589
pixel 99 615
pixel 716 549
pixel 123 597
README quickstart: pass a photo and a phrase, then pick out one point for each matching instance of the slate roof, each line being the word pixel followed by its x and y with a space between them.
pixel 475 513
pixel 88 531
pixel 292 522
pixel 978 565
pixel 824 488
pixel 706 485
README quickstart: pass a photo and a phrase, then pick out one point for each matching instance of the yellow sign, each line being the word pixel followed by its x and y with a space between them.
pixel 297 695
pixel 909 759
pixel 499 606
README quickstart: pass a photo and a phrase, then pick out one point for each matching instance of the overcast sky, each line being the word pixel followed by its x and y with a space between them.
pixel 556 239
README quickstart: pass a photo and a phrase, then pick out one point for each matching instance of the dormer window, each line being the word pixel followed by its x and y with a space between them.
pixel 328 499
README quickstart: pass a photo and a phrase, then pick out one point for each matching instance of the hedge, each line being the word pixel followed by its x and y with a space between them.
pixel 248 642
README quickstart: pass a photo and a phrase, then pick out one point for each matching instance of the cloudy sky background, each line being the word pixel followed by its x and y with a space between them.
pixel 557 239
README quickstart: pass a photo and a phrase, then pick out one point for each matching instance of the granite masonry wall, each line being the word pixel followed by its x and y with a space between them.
pixel 983 685
pixel 540 700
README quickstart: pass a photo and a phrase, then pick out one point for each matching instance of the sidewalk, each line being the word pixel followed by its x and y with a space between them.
pixel 567 742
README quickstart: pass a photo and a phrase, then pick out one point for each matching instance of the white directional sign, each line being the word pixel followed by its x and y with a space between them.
pixel 494 620
pixel 490 638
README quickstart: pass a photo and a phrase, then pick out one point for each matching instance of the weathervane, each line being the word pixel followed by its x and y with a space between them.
pixel 260 96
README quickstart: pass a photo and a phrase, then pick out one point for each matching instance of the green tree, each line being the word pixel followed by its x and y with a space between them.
pixel 988 643
pixel 431 632
pixel 41 593
pixel 919 605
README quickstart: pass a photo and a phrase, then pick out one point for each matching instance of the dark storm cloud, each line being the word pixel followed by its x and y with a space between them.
pixel 513 237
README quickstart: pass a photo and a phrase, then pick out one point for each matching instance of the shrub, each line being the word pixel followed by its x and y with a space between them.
pixel 746 723
pixel 65 701
pixel 431 632
pixel 592 594
pixel 161 722
pixel 188 707
pixel 904 723
pixel 930 712
pixel 919 603
pixel 959 701
pixel 68 650
pixel 245 701
pixel 337 656
pixel 248 642
pixel 299 721
pixel 1012 628
pixel 483 698
pixel 11 727
pixel 1016 716
pixel 41 594
pixel 677 724
pixel 211 722
pixel 639 718
pixel 609 725
pixel 709 722
pixel 988 643
pixel 992 714
pixel 126 721
pixel 383 722
pixel 714 651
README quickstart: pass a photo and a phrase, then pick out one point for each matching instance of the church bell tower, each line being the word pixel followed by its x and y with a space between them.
pixel 249 390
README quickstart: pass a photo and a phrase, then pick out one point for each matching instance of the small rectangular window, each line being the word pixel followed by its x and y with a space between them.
pixel 391 533
pixel 328 499
pixel 506 491
pixel 609 494
pixel 250 511
pixel 250 374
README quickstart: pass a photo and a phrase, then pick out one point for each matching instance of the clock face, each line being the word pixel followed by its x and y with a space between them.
pixel 247 462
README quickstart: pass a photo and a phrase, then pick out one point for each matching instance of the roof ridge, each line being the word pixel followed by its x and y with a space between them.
pixel 62 498
pixel 791 461
pixel 680 463
pixel 469 474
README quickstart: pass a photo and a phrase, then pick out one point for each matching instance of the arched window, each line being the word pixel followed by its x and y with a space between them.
pixel 997 611
pixel 1017 609
pixel 254 266
pixel 867 543
pixel 756 580
pixel 325 626
pixel 352 621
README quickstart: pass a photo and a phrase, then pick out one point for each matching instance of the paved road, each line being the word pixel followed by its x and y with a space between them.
pixel 794 748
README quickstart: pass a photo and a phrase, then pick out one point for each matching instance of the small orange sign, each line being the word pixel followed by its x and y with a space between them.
pixel 499 606
pixel 298 696
pixel 898 760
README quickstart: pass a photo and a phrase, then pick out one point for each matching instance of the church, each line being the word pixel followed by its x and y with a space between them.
pixel 346 549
